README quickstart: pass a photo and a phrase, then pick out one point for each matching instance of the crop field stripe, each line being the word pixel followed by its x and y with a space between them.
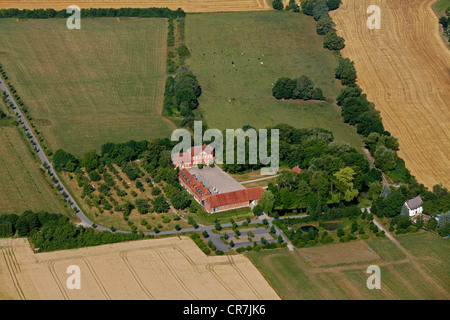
pixel 210 268
pixel 175 275
pixel 119 83
pixel 233 264
pixel 123 255
pixel 188 259
pixel 97 279
pixel 401 282
pixel 51 268
pixel 10 264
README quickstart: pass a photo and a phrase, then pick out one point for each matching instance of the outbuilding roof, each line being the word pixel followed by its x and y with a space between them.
pixel 223 199
pixel 414 203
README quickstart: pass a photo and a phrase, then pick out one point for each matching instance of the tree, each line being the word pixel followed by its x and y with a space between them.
pixel 354 227
pixel 64 161
pixel 324 25
pixel 304 88
pixel 284 88
pixel 187 80
pixel 432 224
pixel 180 201
pixel 320 11
pixel 187 95
pixel 183 51
pixel 267 201
pixel 205 234
pixel 294 6
pixel 22 226
pixel 94 176
pixel 345 178
pixel 351 91
pixel 318 94
pixel 277 4
pixel 160 204
pixel 142 206
pixel 346 71
pixel 90 160
pixel 217 226
pixel 340 232
pixel 333 4
pixel 332 41
pixel 444 22
pixel 384 158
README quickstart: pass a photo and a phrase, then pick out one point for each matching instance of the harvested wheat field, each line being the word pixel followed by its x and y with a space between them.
pixel 170 268
pixel 405 70
pixel 188 6
pixel 341 253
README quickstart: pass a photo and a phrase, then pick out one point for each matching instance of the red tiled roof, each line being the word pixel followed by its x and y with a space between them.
pixel 193 184
pixel 227 198
pixel 296 169
pixel 179 159
pixel 195 151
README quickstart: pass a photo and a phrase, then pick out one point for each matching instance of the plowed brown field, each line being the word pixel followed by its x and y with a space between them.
pixel 405 70
pixel 186 5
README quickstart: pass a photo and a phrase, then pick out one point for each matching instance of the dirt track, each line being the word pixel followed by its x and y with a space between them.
pixel 170 268
pixel 188 6
pixel 405 70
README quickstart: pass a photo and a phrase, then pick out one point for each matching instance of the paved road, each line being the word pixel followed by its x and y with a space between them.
pixel 84 220
pixel 40 153
pixel 260 179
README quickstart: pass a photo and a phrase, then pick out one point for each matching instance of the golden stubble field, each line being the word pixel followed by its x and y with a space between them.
pixel 405 70
pixel 170 268
pixel 188 6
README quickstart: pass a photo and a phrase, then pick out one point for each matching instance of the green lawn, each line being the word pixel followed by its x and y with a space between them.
pixel 22 185
pixel 87 87
pixel 292 278
pixel 442 5
pixel 287 45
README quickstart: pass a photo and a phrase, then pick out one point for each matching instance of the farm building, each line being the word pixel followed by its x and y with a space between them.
pixel 212 200
pixel 414 206
pixel 233 200
pixel 194 186
pixel 194 156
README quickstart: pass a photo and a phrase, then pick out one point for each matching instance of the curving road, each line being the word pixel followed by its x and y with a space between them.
pixel 40 153
pixel 84 220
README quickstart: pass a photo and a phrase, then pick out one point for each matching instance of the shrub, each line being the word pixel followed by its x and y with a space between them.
pixel 332 41
pixel 277 4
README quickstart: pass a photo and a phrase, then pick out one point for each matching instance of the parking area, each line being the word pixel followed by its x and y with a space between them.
pixel 216 180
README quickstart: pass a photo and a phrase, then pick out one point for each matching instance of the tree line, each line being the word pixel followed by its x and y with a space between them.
pixel 181 96
pixel 318 9
pixel 93 12
pixel 50 231
pixel 445 21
